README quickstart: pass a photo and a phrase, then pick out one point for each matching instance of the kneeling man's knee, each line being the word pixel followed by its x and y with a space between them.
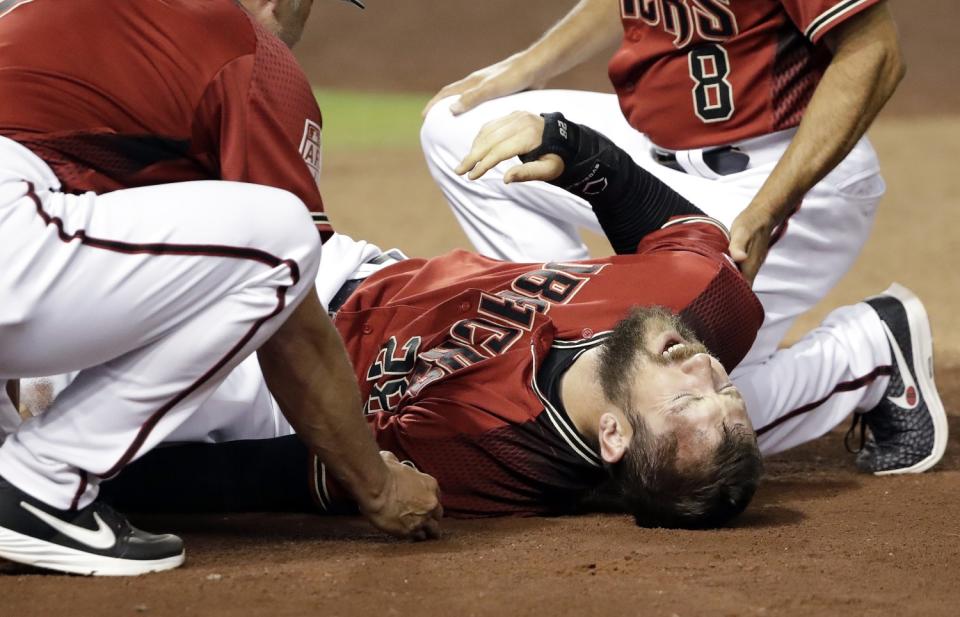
pixel 440 127
pixel 286 226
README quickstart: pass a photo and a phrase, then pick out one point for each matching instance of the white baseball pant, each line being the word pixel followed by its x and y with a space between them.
pixel 153 294
pixel 793 395
pixel 242 406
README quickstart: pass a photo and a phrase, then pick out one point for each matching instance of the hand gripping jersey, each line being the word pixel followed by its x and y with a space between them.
pixel 115 94
pixel 450 352
pixel 695 73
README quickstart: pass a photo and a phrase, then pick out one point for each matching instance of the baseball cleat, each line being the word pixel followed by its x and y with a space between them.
pixel 95 540
pixel 909 426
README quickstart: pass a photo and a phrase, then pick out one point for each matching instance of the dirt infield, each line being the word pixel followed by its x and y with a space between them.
pixel 818 540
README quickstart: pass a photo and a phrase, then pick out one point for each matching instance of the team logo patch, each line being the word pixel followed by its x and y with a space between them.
pixel 310 148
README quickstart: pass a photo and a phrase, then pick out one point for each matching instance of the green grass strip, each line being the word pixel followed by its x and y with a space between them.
pixel 364 120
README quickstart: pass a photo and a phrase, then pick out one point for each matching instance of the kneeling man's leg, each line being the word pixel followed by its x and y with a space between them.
pixel 154 294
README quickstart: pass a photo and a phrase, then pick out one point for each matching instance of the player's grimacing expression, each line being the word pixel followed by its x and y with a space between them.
pixel 676 386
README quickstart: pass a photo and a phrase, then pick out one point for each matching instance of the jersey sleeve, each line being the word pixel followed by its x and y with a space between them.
pixel 425 436
pixel 482 471
pixel 403 434
pixel 725 313
pixel 260 114
pixel 817 17
pixel 699 234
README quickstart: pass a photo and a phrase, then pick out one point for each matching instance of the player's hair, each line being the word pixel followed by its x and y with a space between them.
pixel 647 481
pixel 649 484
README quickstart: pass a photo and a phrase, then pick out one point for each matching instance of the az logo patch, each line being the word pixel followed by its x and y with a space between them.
pixel 310 148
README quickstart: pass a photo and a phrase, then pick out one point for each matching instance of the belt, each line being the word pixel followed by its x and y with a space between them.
pixel 346 290
pixel 724 161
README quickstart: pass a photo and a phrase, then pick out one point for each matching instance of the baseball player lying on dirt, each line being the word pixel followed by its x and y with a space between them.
pixel 524 387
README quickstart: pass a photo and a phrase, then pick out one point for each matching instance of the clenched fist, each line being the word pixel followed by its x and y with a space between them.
pixel 409 504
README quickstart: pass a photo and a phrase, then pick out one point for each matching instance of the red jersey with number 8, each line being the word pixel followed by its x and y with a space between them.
pixel 697 73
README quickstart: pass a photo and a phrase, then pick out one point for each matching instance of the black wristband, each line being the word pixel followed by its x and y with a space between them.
pixel 629 202
pixel 585 170
pixel 557 139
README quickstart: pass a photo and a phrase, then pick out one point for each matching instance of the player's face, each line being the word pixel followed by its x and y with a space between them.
pixel 679 388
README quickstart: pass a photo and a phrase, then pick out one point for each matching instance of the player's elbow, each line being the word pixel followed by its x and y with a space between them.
pixel 897 66
pixel 882 68
pixel 868 47
pixel 888 58
pixel 281 225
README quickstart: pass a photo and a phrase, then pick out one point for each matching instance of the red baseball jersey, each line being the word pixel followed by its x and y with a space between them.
pixel 696 73
pixel 114 94
pixel 457 357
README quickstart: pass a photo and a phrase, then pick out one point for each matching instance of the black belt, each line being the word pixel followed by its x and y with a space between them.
pixel 724 161
pixel 345 291
pixel 350 286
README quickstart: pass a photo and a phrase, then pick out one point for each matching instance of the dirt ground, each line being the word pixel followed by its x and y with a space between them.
pixel 819 539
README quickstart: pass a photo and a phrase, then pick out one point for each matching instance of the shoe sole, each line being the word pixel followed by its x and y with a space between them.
pixel 921 341
pixel 31 551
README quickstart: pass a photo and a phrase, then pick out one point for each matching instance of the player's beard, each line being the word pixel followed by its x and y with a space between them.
pixel 626 350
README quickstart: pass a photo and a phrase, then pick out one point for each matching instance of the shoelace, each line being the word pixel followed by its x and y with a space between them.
pixel 857 420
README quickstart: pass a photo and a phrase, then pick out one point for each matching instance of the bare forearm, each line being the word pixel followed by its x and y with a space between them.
pixel 587 29
pixel 308 372
pixel 865 70
pixel 861 78
pixel 629 203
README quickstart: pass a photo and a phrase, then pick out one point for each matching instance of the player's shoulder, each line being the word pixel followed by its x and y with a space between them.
pixel 701 224
pixel 207 33
pixel 696 234
pixel 240 41
pixel 196 25
pixel 219 28
pixel 276 70
pixel 204 33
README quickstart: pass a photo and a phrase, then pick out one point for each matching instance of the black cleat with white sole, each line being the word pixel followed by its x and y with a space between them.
pixel 909 426
pixel 95 540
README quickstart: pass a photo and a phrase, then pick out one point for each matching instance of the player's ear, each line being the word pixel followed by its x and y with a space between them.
pixel 614 437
